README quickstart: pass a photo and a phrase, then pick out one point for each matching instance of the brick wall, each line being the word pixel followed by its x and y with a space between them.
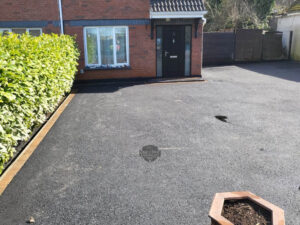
pixel 142 55
pixel 50 28
pixel 142 48
pixel 32 10
pixel 28 10
pixel 105 9
pixel 197 48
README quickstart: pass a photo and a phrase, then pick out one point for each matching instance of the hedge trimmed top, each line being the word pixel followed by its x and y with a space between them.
pixel 35 73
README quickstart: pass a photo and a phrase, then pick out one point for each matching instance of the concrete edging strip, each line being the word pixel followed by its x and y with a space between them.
pixel 19 162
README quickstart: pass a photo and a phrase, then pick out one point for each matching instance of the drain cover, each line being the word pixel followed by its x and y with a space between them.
pixel 222 118
pixel 150 153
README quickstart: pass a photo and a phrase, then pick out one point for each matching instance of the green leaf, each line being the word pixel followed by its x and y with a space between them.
pixel 35 72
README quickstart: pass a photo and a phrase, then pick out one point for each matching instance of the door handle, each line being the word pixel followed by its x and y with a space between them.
pixel 166 53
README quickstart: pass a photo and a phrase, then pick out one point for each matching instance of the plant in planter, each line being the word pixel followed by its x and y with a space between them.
pixel 244 208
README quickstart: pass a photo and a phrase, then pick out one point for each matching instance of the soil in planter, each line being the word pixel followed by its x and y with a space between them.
pixel 246 212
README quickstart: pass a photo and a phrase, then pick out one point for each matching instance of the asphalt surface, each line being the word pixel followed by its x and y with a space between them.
pixel 90 169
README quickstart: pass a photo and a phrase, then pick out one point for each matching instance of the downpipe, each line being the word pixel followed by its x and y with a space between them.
pixel 60 17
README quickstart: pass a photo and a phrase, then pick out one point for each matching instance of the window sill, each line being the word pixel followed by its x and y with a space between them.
pixel 87 68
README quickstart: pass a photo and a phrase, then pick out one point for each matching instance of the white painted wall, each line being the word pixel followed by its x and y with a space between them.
pixel 290 23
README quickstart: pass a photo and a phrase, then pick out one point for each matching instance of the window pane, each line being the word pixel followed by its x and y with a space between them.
pixel 35 33
pixel 4 32
pixel 121 45
pixel 107 45
pixel 92 47
pixel 19 30
pixel 188 36
pixel 159 39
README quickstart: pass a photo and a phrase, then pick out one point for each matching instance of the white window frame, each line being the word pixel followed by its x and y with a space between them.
pixel 99 48
pixel 27 29
pixel 40 29
pixel 4 29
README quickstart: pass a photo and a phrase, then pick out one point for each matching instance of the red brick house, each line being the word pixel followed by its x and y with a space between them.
pixel 118 38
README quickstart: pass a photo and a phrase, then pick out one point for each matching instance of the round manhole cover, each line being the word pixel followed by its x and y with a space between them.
pixel 150 153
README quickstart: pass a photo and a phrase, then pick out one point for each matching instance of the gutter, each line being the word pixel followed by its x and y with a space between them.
pixel 60 17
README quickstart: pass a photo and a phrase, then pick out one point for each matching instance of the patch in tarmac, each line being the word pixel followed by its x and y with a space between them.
pixel 150 153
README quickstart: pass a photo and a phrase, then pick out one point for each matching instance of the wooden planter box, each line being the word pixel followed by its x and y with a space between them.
pixel 217 206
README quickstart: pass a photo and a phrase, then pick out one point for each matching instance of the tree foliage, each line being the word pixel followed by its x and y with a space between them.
pixel 282 6
pixel 233 14
pixel 262 7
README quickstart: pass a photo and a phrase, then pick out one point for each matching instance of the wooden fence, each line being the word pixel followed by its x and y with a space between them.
pixel 241 46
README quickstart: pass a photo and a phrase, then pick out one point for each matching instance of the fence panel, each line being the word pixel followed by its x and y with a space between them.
pixel 242 46
pixel 248 45
pixel 272 46
pixel 218 48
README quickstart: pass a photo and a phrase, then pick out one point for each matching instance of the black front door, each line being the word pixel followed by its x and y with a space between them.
pixel 173 49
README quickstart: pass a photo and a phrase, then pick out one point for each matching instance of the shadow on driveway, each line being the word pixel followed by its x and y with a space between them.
pixel 283 70
pixel 110 86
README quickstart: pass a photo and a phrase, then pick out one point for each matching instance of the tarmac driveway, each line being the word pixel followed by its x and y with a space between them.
pixel 88 169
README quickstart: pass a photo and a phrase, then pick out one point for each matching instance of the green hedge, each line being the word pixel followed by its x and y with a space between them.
pixel 35 73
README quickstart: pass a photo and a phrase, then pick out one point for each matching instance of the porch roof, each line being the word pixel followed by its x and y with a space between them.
pixel 177 5
pixel 177 9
